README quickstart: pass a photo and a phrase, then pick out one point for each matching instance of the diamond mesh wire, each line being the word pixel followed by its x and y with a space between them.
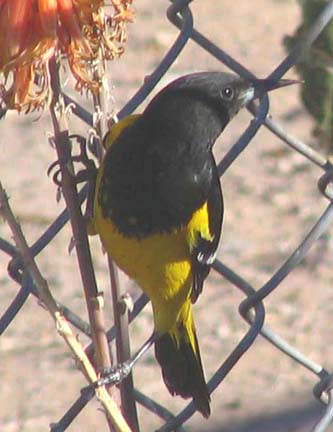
pixel 252 308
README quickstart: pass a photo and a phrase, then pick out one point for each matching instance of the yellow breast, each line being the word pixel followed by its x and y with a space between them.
pixel 160 263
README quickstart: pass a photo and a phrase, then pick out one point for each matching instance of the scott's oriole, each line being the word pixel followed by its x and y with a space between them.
pixel 158 208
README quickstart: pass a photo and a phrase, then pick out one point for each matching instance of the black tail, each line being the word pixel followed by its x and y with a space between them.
pixel 182 368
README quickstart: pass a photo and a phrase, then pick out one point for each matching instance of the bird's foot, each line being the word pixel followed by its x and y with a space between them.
pixel 114 375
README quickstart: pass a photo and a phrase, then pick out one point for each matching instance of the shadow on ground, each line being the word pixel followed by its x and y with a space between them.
pixel 300 419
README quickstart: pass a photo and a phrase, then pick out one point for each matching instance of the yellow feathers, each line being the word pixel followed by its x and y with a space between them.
pixel 117 128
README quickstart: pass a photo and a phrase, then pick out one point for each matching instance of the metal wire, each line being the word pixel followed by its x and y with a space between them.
pixel 252 307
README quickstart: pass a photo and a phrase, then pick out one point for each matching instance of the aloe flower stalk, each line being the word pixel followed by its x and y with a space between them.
pixel 84 32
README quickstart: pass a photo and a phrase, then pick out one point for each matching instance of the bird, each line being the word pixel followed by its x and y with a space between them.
pixel 158 208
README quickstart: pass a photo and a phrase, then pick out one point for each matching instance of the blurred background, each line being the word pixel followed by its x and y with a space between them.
pixel 271 202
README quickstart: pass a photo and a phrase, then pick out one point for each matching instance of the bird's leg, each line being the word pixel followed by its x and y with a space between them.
pixel 116 374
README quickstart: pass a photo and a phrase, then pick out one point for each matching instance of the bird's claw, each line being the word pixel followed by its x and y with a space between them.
pixel 114 375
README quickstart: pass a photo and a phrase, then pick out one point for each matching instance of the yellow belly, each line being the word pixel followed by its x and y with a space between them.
pixel 160 264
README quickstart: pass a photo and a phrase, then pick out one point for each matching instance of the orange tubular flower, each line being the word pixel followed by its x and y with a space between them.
pixel 32 31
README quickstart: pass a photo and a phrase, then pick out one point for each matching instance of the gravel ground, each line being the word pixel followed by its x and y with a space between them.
pixel 271 201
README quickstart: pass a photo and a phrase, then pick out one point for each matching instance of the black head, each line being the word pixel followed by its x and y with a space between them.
pixel 224 92
pixel 204 102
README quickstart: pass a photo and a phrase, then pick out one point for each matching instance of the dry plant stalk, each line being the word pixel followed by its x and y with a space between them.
pixel 36 37
pixel 94 299
pixel 62 325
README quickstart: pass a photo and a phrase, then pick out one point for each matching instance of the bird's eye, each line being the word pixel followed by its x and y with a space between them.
pixel 227 93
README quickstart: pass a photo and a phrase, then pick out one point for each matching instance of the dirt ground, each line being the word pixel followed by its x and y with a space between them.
pixel 271 201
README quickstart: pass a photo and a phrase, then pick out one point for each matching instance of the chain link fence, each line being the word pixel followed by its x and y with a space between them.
pixel 252 308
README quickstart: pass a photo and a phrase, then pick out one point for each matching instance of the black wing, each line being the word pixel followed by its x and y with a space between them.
pixel 203 255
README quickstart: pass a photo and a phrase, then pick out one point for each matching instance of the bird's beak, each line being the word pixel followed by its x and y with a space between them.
pixel 262 86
